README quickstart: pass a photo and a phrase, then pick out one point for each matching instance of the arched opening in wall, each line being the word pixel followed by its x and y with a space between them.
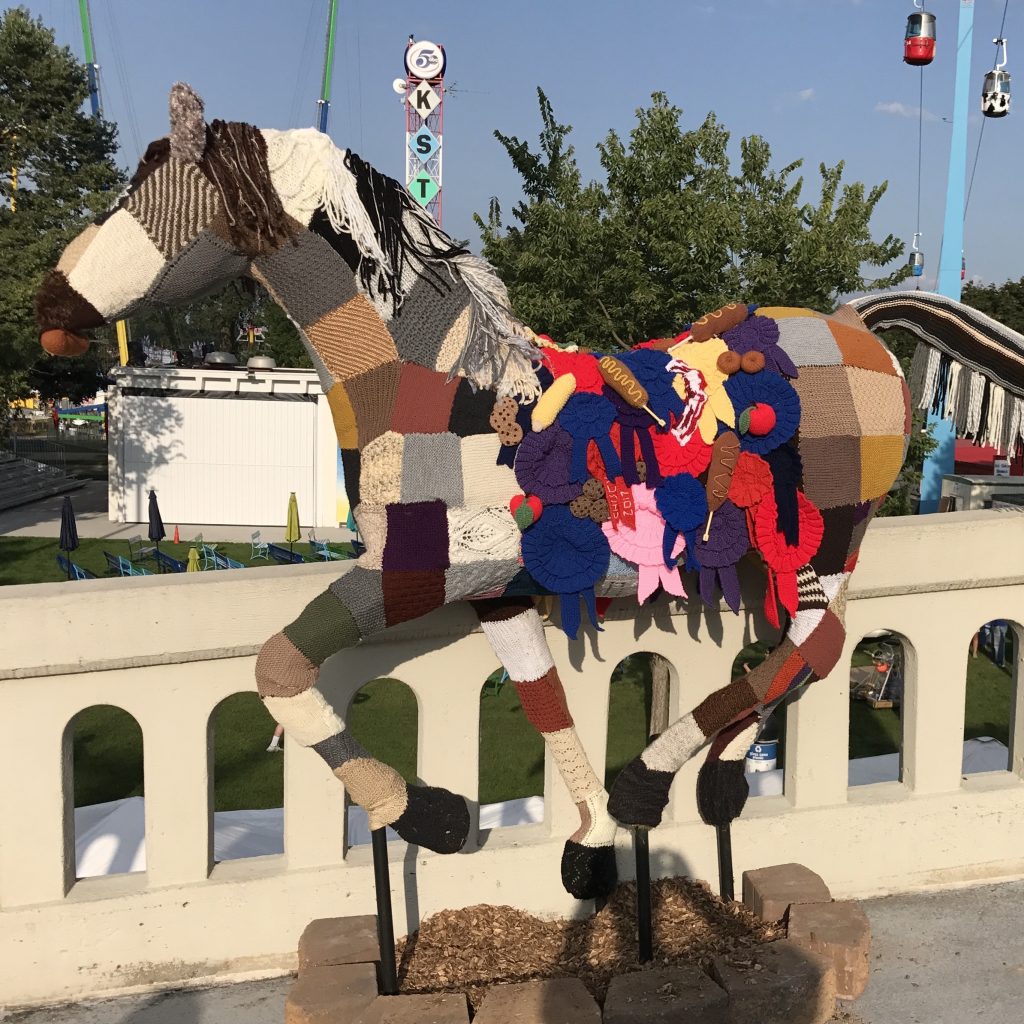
pixel 638 708
pixel 766 758
pixel 248 779
pixel 109 806
pixel 991 690
pixel 511 758
pixel 877 673
pixel 384 718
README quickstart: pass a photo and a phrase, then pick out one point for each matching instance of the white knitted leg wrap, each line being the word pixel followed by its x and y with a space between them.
pixel 520 645
pixel 675 746
pixel 307 718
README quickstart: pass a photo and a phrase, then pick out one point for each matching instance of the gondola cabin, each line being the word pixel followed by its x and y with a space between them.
pixel 995 94
pixel 916 263
pixel 919 42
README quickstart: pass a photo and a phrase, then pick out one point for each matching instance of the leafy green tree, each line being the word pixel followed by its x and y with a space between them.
pixel 66 176
pixel 1003 302
pixel 672 231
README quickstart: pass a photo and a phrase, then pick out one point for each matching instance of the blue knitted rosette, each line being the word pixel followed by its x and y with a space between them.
pixel 567 556
pixel 683 504
pixel 747 389
pixel 588 417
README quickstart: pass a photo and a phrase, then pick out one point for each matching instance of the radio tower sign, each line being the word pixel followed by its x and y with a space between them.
pixel 424 123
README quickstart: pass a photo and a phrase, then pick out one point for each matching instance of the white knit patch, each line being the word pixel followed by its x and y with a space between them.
pixel 482 534
pixel 307 718
pixel 803 624
pixel 69 257
pixel 483 482
pixel 298 169
pixel 833 584
pixel 602 825
pixel 738 747
pixel 118 267
pixel 573 765
pixel 520 645
pixel 675 746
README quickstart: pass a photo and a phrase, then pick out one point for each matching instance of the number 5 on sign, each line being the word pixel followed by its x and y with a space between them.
pixel 423 188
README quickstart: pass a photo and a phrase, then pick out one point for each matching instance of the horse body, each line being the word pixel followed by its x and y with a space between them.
pixel 435 388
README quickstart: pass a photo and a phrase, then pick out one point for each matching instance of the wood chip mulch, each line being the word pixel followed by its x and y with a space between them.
pixel 472 949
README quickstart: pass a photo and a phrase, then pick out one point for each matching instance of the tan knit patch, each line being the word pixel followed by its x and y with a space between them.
pixel 572 763
pixel 880 461
pixel 372 395
pixel 373 527
pixel 861 348
pixel 785 312
pixel 454 340
pixel 878 400
pixel 71 255
pixel 380 470
pixel 344 417
pixel 376 787
pixel 174 204
pixel 826 405
pixel 352 339
pixel 282 670
pixel 845 314
pixel 306 717
pixel 483 482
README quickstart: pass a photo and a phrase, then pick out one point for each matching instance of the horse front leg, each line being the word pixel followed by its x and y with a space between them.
pixel 516 634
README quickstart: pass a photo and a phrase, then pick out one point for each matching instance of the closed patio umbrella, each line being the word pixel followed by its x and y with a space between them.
pixel 156 523
pixel 68 530
pixel 292 532
pixel 193 561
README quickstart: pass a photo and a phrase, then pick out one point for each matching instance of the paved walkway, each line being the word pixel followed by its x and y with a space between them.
pixel 940 958
pixel 42 519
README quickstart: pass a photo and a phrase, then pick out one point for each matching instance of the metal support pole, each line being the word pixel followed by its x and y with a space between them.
pixel 385 922
pixel 723 833
pixel 642 853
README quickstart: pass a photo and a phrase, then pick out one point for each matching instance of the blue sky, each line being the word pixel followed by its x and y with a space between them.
pixel 819 79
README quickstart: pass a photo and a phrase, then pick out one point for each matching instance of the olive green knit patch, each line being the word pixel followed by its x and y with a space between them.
pixel 324 627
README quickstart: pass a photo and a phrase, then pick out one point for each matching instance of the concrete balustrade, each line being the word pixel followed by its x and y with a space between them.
pixel 169 649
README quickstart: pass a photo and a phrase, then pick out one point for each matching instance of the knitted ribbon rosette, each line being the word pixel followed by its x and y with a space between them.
pixel 747 390
pixel 543 466
pixel 761 334
pixel 567 556
pixel 783 559
pixel 581 365
pixel 589 417
pixel 643 547
pixel 728 541
pixel 683 504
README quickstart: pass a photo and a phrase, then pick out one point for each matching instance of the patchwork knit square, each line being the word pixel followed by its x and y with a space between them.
pixel 324 627
pixel 483 482
pixel 808 342
pixel 809 592
pixel 453 344
pixel 826 403
pixel 351 468
pixel 862 515
pixel 408 595
pixel 482 534
pixel 471 411
pixel 793 668
pixel 352 339
pixel 360 591
pixel 206 259
pixel 835 542
pixel 478 579
pixel 424 401
pixel 722 706
pixel 373 528
pixel 788 313
pixel 380 471
pixel 372 395
pixel 804 623
pixel 424 319
pixel 832 470
pixel 432 469
pixel 290 270
pixel 822 649
pixel 859 348
pixel 878 400
pixel 881 461
pixel 344 417
pixel 417 537
pixel 174 204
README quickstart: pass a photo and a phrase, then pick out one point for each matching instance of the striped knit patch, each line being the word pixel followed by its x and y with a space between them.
pixel 174 204
pixel 809 591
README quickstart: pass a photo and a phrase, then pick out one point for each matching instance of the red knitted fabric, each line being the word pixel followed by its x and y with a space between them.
pixel 408 595
pixel 424 401
pixel 543 701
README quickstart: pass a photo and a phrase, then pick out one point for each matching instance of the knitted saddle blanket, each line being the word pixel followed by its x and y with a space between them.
pixel 682 456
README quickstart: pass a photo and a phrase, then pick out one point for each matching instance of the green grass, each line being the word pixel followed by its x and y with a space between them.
pixel 34 559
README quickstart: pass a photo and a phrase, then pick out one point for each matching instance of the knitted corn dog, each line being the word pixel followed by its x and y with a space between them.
pixel 618 377
pixel 724 453
pixel 551 403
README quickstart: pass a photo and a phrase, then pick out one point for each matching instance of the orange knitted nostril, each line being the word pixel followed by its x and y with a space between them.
pixel 62 343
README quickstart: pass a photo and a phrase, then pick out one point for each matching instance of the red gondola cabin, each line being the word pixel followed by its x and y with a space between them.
pixel 919 42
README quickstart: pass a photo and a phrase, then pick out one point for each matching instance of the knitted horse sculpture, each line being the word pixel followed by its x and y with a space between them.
pixel 770 430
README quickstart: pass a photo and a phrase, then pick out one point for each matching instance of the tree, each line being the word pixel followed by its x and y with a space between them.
pixel 66 177
pixel 1003 302
pixel 672 233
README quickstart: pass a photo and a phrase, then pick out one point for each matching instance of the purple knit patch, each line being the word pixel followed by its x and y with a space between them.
pixel 417 537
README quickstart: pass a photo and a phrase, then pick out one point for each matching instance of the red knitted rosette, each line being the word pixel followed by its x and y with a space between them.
pixel 693 457
pixel 784 559
pixel 581 365
pixel 751 480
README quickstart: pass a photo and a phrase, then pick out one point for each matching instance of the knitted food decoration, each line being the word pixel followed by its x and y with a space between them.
pixel 747 391
pixel 624 384
pixel 551 403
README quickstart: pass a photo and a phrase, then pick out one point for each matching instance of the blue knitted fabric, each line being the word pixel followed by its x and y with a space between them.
pixel 589 417
pixel 683 504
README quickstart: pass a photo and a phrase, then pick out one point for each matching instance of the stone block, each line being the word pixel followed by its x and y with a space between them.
pixel 326 995
pixel 841 933
pixel 778 983
pixel 769 892
pixel 554 1001
pixel 330 941
pixel 432 1008
pixel 670 995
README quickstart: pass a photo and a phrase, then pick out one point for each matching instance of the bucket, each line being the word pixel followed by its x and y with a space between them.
pixel 763 756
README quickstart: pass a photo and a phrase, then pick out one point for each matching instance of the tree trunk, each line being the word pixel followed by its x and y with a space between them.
pixel 659 695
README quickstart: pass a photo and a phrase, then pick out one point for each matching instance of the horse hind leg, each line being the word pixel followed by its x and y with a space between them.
pixel 516 634
pixel 287 671
pixel 809 650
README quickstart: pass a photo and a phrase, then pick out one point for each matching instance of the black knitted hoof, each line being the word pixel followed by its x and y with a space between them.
pixel 588 872
pixel 722 791
pixel 639 795
pixel 434 818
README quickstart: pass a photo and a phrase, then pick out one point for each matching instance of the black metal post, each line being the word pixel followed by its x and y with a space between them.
pixel 642 854
pixel 725 873
pixel 385 922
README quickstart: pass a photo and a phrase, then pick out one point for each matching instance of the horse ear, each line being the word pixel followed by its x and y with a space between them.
pixel 188 129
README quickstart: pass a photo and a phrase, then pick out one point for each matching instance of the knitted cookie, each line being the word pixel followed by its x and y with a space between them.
pixel 503 421
pixel 592 503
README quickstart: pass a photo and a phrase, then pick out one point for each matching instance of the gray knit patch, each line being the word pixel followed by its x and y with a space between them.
pixel 477 579
pixel 432 469
pixel 339 748
pixel 292 269
pixel 426 316
pixel 361 591
pixel 201 266
pixel 808 341
pixel 620 580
